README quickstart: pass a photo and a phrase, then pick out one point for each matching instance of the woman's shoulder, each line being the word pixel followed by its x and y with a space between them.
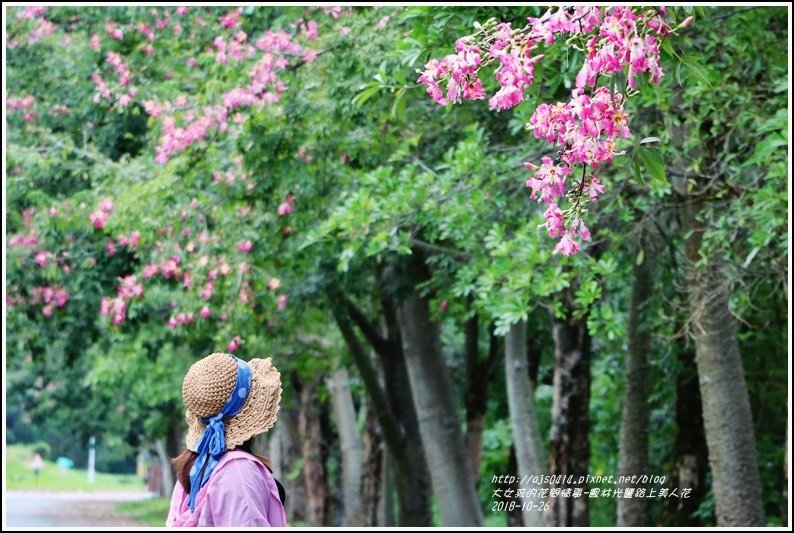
pixel 237 463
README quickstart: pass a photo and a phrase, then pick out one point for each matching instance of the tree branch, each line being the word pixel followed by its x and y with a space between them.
pixel 428 247
pixel 379 344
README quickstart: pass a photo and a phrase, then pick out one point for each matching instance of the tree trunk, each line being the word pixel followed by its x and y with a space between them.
pixel 387 501
pixel 691 455
pixel 726 406
pixel 295 487
pixel 174 445
pixel 570 421
pixel 475 401
pixel 530 456
pixel 309 427
pixel 412 483
pixel 478 377
pixel 633 452
pixel 372 481
pixel 352 449
pixel 515 516
pixel 167 483
pixel 274 446
pixel 442 439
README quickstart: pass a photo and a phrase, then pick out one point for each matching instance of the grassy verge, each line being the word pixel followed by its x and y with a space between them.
pixel 151 512
pixel 19 476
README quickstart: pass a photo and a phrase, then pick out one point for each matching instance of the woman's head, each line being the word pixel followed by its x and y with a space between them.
pixel 208 387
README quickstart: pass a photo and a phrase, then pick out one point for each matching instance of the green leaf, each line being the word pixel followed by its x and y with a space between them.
pixel 366 94
pixel 640 257
pixel 652 161
pixel 697 70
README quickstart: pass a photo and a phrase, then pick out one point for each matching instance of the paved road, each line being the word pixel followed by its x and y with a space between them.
pixel 44 509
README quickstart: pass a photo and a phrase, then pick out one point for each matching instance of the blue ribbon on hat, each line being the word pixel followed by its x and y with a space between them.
pixel 213 442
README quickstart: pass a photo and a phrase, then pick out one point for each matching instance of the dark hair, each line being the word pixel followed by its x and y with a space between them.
pixel 183 462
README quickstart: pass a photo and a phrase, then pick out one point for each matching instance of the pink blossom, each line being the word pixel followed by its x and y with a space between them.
pixel 113 29
pixel 95 42
pixel 98 218
pixel 115 308
pixel 567 245
pixel 282 302
pixel 130 288
pixel 205 312
pixel 284 209
pixel 32 12
pixel 47 310
pixel 231 19
pixel 207 290
pixel 273 284
pixel 42 258
pixel 150 271
pixel 309 30
pixel 555 223
pixel 594 189
pixel 60 297
pixel 181 11
pixel 442 305
pixel 234 344
pixel 110 248
pixel 170 269
pixel 42 29
pixel 382 22
pixel 106 205
pixel 245 246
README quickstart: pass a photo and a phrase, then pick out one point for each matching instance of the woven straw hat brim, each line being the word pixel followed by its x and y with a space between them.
pixel 258 414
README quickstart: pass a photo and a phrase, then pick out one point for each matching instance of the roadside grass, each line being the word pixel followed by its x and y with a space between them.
pixel 151 512
pixel 19 476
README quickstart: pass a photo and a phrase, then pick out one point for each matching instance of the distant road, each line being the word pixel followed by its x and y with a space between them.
pixel 47 509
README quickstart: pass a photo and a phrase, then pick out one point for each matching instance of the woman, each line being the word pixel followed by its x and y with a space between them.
pixel 220 481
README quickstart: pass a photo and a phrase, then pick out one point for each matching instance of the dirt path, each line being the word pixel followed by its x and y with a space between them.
pixel 44 509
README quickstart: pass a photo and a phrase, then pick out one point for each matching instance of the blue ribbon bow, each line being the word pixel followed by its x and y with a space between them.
pixel 213 441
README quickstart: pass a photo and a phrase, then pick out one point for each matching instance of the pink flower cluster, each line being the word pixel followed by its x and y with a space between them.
pixel 586 128
pixel 245 246
pixel 31 12
pixel 42 29
pixel 114 31
pixel 116 308
pixel 460 70
pixel 175 139
pixel 130 241
pixel 100 215
pixel 234 344
pixel 231 19
pixel 285 208
pixel 24 240
pixel 237 48
pixel 625 38
pixel 24 104
pixel 50 296
pixel 129 289
pixel 264 87
pixel 516 71
pixel 125 78
pixel 180 319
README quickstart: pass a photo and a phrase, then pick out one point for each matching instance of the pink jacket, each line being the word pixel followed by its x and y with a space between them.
pixel 240 492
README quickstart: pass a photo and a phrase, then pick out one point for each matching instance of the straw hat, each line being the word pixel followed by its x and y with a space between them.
pixel 207 386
